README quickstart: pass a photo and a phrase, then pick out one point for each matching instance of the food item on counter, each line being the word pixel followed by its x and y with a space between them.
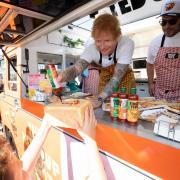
pixel 152 114
pixel 80 95
pixel 106 106
pixel 54 99
pixel 150 102
pixel 69 111
pixel 133 111
pixel 175 106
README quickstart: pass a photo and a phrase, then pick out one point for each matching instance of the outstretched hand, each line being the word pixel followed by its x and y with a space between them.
pixel 88 130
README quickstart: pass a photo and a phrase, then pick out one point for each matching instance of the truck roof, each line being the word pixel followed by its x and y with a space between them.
pixel 19 19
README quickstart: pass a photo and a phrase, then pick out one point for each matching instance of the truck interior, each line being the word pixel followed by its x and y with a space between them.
pixel 22 23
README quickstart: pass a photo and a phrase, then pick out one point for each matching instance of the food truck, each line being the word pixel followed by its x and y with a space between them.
pixel 36 33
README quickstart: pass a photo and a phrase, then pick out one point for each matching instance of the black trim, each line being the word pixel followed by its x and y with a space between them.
pixel 162 41
pixel 114 57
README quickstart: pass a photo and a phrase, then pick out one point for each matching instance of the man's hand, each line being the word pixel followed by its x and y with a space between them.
pixel 151 89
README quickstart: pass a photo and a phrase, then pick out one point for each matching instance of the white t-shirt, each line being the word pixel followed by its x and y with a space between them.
pixel 124 53
pixel 156 43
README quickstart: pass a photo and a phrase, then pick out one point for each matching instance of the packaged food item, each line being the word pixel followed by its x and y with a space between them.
pixel 53 76
pixel 132 108
pixel 114 104
pixel 123 98
pixel 39 88
pixel 69 111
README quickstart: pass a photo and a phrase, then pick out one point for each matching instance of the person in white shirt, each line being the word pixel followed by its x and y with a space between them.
pixel 164 55
pixel 111 53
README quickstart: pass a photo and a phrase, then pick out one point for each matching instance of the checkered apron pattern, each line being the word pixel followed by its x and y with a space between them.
pixel 91 83
pixel 167 67
pixel 127 81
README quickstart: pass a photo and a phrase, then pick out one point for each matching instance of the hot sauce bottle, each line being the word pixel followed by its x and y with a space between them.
pixel 114 104
pixel 58 87
pixel 123 98
pixel 132 108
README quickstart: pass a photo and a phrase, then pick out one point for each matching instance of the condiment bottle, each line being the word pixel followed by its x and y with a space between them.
pixel 123 98
pixel 114 103
pixel 58 87
pixel 132 108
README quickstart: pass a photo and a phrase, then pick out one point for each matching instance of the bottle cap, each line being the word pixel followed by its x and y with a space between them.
pixel 133 90
pixel 115 89
pixel 123 90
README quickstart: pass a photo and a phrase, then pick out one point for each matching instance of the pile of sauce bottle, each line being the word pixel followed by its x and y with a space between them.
pixel 124 108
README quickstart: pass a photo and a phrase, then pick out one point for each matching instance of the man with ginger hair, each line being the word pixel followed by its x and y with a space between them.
pixel 111 53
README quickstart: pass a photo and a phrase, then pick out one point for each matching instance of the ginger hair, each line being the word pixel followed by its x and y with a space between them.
pixel 5 156
pixel 106 23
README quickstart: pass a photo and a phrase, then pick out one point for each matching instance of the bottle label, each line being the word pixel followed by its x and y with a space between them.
pixel 116 107
pixel 54 76
pixel 123 109
pixel 133 111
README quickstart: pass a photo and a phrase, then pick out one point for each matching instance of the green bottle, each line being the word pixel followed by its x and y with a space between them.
pixel 114 104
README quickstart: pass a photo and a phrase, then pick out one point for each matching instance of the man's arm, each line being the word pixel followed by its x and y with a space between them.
pixel 73 71
pixel 150 75
pixel 120 70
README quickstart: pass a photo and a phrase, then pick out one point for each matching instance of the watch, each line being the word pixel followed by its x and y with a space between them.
pixel 100 99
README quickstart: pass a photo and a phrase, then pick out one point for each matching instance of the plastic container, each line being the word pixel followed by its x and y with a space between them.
pixel 114 104
pixel 123 99
pixel 132 107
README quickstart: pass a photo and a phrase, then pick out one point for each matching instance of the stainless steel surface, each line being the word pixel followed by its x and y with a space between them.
pixel 143 128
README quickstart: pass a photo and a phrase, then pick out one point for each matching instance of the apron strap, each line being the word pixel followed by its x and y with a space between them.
pixel 162 41
pixel 100 59
pixel 114 57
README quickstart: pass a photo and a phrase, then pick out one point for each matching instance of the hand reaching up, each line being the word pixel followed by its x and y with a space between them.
pixel 88 130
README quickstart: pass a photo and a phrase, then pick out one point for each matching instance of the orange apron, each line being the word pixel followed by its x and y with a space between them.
pixel 128 80
pixel 100 80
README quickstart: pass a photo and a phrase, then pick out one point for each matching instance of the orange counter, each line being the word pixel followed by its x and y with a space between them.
pixel 158 159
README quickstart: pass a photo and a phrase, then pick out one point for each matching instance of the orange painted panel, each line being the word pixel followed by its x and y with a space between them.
pixel 156 158
pixel 33 107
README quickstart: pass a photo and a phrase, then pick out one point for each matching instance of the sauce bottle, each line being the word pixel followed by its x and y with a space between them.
pixel 114 104
pixel 132 107
pixel 58 87
pixel 123 98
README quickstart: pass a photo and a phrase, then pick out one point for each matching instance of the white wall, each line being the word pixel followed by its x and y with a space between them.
pixel 142 32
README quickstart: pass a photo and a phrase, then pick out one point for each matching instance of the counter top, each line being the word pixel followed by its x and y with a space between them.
pixel 136 145
pixel 143 128
pixel 141 80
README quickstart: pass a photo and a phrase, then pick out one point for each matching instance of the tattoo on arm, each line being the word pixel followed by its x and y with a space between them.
pixel 73 71
pixel 119 72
